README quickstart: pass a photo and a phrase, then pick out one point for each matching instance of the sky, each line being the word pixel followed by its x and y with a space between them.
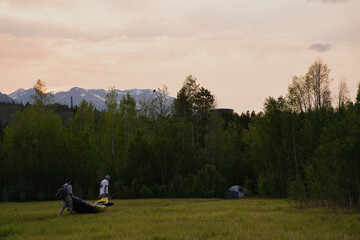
pixel 243 51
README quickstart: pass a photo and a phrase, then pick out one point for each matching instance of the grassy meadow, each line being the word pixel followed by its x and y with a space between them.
pixel 179 219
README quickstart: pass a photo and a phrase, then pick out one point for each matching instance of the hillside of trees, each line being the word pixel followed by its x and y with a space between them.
pixel 304 146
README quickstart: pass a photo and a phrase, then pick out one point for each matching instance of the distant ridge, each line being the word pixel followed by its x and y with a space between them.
pixel 5 98
pixel 96 96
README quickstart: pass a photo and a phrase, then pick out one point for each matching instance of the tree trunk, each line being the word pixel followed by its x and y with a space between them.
pixel 294 148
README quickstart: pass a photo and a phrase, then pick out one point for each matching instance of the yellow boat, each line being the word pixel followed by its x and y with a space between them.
pixel 81 206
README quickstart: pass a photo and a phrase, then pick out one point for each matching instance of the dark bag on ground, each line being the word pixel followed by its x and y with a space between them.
pixel 61 192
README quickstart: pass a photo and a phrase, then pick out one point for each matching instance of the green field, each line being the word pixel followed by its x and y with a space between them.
pixel 179 219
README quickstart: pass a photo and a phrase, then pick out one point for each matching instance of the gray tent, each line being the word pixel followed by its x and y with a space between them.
pixel 235 192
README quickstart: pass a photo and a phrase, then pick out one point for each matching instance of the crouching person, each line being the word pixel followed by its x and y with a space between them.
pixel 67 201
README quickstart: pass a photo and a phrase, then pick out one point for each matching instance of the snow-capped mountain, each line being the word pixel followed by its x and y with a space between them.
pixel 96 96
pixel 23 96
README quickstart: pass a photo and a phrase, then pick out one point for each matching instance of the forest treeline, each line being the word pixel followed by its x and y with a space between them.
pixel 302 146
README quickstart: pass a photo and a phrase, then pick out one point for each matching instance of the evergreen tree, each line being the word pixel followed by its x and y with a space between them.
pixel 33 150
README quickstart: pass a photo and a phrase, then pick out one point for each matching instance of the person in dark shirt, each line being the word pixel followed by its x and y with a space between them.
pixel 67 202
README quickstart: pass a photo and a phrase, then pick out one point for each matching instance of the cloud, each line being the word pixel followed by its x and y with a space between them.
pixel 331 1
pixel 320 47
pixel 20 28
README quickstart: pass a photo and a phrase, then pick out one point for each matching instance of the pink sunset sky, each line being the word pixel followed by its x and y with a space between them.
pixel 243 51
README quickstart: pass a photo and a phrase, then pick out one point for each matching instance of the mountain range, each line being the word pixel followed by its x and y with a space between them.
pixel 96 96
pixel 5 98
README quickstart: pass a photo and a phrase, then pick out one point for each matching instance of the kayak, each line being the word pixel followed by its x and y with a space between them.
pixel 81 206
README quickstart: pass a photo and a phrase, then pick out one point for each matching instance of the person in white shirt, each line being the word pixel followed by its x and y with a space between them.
pixel 104 187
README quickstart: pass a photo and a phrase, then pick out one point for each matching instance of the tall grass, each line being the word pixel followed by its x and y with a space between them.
pixel 179 219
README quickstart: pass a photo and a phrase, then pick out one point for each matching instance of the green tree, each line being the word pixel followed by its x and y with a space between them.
pixel 332 175
pixel 81 148
pixel 194 104
pixel 108 129
pixel 204 102
pixel 343 94
pixel 184 102
pixel 33 149
pixel 160 102
pixel 208 183
pixel 300 95
pixel 127 126
pixel 138 168
pixel 128 114
pixel 357 100
pixel 84 118
pixel 270 144
pixel 312 91
pixel 231 161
